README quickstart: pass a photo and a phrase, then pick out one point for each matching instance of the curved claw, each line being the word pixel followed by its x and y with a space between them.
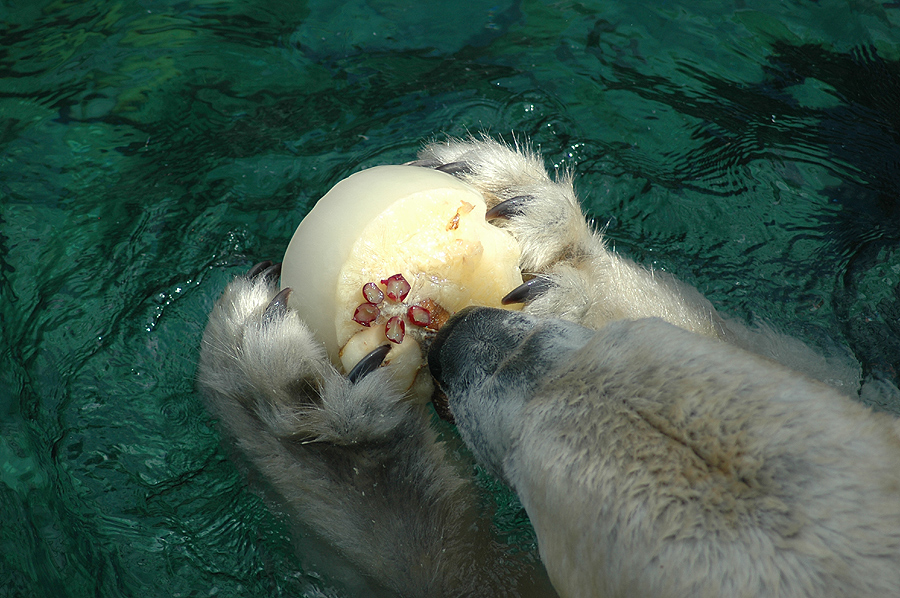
pixel 273 272
pixel 368 364
pixel 424 163
pixel 278 305
pixel 265 270
pixel 258 268
pixel 442 405
pixel 455 168
pixel 528 291
pixel 510 207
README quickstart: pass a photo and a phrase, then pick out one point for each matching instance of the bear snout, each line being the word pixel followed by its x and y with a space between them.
pixel 469 347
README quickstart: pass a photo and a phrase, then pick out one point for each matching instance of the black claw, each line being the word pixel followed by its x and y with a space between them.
pixel 273 272
pixel 528 291
pixel 460 167
pixel 265 270
pixel 455 168
pixel 424 163
pixel 442 405
pixel 368 364
pixel 278 305
pixel 256 269
pixel 510 207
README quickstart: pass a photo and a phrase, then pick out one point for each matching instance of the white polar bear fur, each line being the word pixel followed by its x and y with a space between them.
pixel 593 285
pixel 656 462
pixel 359 464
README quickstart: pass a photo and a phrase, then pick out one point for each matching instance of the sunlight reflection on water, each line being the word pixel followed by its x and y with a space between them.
pixel 149 153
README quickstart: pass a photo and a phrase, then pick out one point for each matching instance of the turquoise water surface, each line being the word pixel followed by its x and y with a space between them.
pixel 150 151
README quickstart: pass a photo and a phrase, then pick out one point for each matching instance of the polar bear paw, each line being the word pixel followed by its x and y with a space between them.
pixel 353 459
pixel 258 355
pixel 563 260
pixel 541 213
pixel 570 273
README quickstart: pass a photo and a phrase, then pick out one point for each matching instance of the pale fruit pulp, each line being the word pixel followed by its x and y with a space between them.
pixel 423 225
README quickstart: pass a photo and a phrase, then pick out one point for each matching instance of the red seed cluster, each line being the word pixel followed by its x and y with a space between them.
pixel 396 288
pixel 372 293
pixel 366 313
pixel 418 315
pixel 395 329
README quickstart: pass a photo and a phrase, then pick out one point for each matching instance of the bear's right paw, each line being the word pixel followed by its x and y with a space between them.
pixel 259 356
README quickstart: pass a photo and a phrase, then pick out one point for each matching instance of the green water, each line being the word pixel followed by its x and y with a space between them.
pixel 149 151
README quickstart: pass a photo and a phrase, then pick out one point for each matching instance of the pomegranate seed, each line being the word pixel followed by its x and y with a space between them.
pixel 395 329
pixel 366 313
pixel 372 293
pixel 418 315
pixel 397 287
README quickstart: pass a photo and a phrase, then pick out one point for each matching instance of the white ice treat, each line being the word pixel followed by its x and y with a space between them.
pixel 387 255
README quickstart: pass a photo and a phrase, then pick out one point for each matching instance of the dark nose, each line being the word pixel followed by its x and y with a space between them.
pixel 434 352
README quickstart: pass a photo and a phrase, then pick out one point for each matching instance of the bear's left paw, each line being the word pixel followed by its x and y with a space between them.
pixel 542 214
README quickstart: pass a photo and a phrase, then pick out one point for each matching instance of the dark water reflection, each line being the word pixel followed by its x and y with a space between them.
pixel 151 151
